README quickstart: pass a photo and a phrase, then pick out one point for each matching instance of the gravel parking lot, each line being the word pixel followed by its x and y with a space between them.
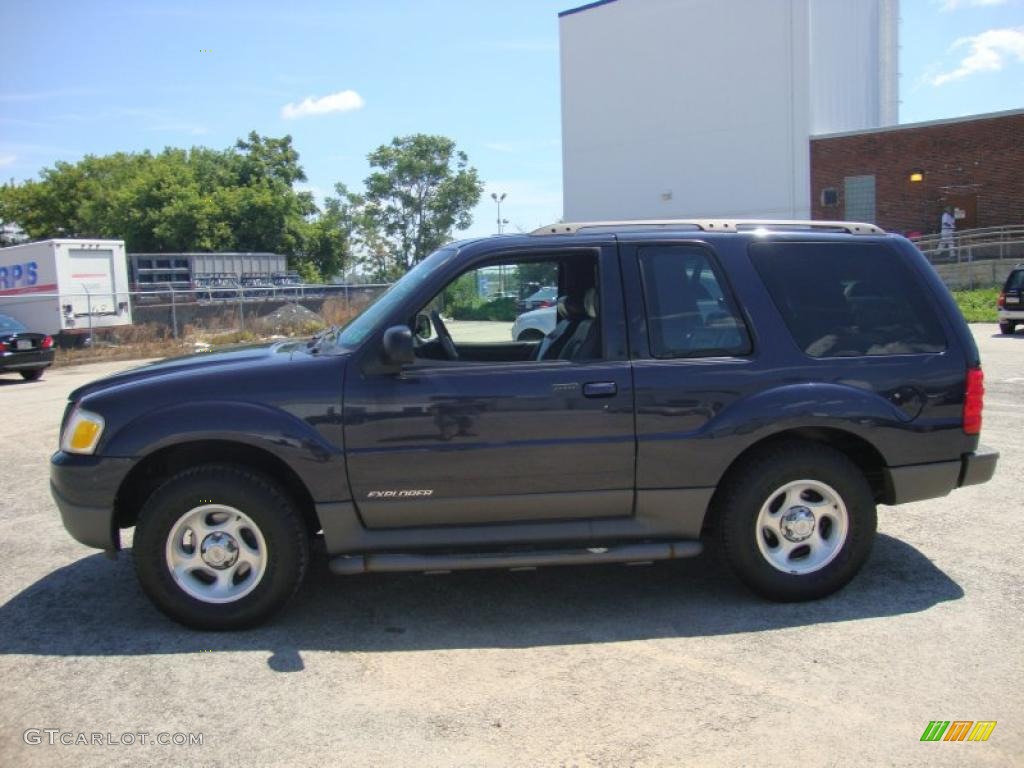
pixel 664 665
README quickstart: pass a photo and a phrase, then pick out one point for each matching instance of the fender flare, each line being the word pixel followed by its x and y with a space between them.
pixel 277 432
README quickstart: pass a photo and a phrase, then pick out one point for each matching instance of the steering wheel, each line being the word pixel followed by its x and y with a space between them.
pixel 442 334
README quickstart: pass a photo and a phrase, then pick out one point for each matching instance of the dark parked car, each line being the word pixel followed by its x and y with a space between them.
pixel 22 351
pixel 766 384
pixel 545 297
pixel 1011 301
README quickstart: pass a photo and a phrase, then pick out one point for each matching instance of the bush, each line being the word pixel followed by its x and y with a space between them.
pixel 499 310
pixel 978 306
pixel 337 311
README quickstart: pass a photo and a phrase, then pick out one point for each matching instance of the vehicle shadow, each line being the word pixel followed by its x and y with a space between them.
pixel 94 607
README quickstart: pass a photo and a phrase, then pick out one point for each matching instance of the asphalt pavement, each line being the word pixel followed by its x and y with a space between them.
pixel 670 664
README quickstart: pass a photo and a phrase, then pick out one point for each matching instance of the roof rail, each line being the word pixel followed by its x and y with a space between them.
pixel 712 225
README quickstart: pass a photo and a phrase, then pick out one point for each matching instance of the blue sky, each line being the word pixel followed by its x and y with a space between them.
pixel 343 77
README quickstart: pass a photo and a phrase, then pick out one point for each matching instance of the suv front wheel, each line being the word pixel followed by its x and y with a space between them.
pixel 220 547
pixel 797 523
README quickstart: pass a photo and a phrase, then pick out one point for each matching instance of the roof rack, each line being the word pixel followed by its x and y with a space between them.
pixel 712 225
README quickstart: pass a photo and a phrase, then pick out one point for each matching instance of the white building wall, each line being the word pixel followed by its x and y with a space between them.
pixel 853 65
pixel 680 108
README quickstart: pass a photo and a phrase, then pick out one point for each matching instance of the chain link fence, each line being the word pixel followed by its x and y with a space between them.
pixel 176 314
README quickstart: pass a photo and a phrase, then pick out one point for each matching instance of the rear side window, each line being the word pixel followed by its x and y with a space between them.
pixel 1015 282
pixel 689 310
pixel 848 299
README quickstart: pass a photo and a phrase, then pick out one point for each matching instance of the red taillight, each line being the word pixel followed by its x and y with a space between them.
pixel 3 346
pixel 1002 299
pixel 47 342
pixel 973 401
pixel 545 303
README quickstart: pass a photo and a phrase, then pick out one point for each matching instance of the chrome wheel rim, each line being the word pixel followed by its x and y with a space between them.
pixel 802 526
pixel 216 553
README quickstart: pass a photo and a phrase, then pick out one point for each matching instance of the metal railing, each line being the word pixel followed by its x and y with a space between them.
pixel 973 244
pixel 977 257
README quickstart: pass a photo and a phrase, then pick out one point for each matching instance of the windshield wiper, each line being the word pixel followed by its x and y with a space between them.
pixel 314 344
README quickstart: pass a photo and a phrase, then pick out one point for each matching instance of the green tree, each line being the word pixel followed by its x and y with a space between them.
pixel 330 236
pixel 422 190
pixel 241 198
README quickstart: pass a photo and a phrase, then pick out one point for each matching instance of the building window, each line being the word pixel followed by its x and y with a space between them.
pixel 830 197
pixel 859 195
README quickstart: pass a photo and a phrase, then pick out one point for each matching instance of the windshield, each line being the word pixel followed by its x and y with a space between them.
pixel 10 324
pixel 360 327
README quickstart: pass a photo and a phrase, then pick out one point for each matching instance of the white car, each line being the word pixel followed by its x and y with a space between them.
pixel 535 325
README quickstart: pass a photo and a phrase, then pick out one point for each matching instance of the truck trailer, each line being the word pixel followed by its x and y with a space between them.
pixel 66 286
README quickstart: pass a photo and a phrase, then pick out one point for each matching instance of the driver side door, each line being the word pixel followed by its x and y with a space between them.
pixel 496 436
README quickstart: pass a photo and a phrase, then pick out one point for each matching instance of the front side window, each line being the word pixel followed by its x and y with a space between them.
pixel 689 312
pixel 848 299
pixel 532 308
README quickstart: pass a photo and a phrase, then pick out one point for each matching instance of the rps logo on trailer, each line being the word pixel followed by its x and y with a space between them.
pixel 19 275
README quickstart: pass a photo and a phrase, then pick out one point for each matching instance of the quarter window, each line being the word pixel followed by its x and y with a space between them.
pixel 848 299
pixel 689 311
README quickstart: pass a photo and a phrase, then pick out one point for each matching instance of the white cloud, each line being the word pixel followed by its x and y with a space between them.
pixel 953 5
pixel 499 146
pixel 342 101
pixel 7 160
pixel 989 52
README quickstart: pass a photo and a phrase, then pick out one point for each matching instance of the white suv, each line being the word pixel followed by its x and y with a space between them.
pixel 535 325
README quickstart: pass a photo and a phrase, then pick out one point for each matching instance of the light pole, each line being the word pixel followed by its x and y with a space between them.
pixel 497 199
pixel 501 269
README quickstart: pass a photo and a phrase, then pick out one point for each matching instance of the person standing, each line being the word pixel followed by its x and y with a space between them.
pixel 947 228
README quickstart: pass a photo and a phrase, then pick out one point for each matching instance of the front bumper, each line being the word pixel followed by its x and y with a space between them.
pixel 84 488
pixel 931 481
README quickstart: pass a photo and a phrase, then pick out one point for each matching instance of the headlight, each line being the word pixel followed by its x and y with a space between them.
pixel 82 432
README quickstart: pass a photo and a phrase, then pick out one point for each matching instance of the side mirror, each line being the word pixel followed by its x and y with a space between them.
pixel 398 349
pixel 423 326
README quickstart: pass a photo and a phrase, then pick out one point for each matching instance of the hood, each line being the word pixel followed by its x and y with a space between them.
pixel 200 362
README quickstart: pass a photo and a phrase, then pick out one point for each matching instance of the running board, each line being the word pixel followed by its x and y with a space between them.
pixel 348 565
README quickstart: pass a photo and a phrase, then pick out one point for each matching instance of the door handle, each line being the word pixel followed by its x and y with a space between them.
pixel 600 389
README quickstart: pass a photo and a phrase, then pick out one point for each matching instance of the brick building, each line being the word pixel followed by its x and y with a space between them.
pixel 903 176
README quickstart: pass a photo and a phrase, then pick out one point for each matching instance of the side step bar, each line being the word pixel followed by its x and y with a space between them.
pixel 427 562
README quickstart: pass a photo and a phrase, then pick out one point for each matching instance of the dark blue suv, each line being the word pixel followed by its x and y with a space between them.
pixel 765 383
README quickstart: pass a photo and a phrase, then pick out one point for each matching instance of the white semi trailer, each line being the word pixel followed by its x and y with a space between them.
pixel 66 286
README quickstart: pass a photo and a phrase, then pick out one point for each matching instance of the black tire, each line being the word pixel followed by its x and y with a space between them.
pixel 35 375
pixel 530 334
pixel 1006 327
pixel 754 483
pixel 259 498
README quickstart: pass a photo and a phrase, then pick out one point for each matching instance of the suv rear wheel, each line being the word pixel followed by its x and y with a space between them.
pixel 1007 327
pixel 797 523
pixel 220 547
